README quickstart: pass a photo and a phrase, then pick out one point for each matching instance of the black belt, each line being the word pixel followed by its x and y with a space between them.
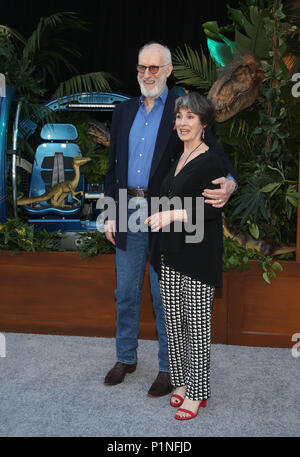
pixel 137 192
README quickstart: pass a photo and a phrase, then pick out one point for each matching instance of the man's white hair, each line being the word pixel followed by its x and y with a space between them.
pixel 168 56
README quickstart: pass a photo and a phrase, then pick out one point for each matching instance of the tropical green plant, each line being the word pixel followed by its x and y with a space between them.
pixel 263 140
pixel 236 256
pixel 193 70
pixel 271 193
pixel 94 243
pixel 16 235
pixel 30 64
pixel 95 170
pixel 34 65
pixel 255 38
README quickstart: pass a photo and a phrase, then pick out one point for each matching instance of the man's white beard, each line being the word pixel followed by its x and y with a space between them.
pixel 158 89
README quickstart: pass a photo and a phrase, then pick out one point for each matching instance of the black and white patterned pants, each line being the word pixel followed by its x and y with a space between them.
pixel 187 306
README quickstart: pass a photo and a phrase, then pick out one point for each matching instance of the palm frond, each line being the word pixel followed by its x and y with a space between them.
pixel 64 45
pixel 38 113
pixel 46 43
pixel 48 63
pixel 91 81
pixel 193 70
pixel 12 33
pixel 25 148
pixel 56 23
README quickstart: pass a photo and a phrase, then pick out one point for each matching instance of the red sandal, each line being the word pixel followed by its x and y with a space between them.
pixel 192 415
pixel 181 400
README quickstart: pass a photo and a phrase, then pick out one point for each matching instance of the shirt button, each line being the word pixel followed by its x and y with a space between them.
pixel 139 171
pixel 146 123
pixel 141 155
pixel 142 139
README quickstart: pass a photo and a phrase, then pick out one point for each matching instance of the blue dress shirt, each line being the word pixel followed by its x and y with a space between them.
pixel 142 139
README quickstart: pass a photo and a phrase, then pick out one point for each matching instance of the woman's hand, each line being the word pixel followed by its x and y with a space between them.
pixel 159 220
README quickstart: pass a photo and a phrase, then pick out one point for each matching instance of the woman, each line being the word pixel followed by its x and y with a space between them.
pixel 189 272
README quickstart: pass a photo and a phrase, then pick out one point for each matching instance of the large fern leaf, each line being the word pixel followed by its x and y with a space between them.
pixel 252 199
pixel 193 70
pixel 255 40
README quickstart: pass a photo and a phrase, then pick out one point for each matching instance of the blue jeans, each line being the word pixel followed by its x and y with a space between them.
pixel 130 266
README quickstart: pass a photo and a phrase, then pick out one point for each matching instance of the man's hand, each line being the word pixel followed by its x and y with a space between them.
pixel 219 197
pixel 110 231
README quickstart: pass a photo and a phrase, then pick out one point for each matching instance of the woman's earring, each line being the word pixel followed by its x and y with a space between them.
pixel 203 134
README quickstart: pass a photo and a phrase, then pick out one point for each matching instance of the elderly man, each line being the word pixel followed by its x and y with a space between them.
pixel 143 147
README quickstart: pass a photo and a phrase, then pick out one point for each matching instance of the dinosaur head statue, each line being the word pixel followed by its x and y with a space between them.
pixel 99 132
pixel 79 161
pixel 237 87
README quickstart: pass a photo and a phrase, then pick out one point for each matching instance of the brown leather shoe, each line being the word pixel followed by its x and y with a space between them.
pixel 161 386
pixel 117 374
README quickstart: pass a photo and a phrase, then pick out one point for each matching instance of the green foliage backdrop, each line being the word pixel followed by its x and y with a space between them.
pixel 263 140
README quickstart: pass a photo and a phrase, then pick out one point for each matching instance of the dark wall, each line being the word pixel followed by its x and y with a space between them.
pixel 117 29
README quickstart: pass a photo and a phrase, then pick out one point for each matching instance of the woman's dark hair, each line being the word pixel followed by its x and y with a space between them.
pixel 199 105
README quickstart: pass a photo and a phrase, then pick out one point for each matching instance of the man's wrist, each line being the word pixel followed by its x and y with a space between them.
pixel 231 178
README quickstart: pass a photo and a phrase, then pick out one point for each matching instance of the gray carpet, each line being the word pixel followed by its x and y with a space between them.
pixel 52 386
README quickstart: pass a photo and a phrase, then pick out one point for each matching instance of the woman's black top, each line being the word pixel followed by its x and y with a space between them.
pixel 203 260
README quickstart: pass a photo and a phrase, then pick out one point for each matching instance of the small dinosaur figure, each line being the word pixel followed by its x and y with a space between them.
pixel 237 87
pixel 60 191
